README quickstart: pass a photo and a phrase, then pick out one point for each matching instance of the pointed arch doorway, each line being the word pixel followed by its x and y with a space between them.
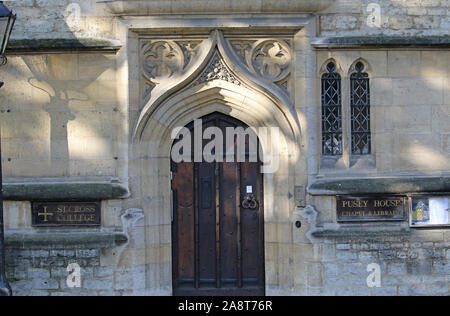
pixel 218 222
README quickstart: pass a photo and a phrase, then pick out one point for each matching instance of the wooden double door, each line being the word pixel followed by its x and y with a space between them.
pixel 218 224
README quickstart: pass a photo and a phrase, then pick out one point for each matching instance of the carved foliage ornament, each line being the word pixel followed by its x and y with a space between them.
pixel 216 70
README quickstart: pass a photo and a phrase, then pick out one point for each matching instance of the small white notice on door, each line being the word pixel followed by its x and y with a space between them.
pixel 249 189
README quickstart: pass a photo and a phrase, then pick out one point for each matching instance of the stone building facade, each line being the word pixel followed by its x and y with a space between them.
pixel 93 90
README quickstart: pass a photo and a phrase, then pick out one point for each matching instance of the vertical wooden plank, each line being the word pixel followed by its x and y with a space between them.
pixel 184 222
pixel 218 241
pixel 261 244
pixel 207 223
pixel 239 225
pixel 229 224
pixel 250 227
pixel 218 219
pixel 196 227
pixel 261 240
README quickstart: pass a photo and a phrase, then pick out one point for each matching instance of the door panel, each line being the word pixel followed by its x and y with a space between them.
pixel 207 224
pixel 229 224
pixel 184 203
pixel 250 220
pixel 218 242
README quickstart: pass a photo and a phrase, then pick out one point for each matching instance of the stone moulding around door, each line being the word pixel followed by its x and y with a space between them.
pixel 158 7
pixel 214 80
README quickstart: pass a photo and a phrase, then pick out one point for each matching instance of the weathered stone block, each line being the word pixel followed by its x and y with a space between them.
pixel 385 291
pixel 62 253
pixel 97 285
pixel 396 268
pixel 387 255
pixel 314 271
pixel 363 291
pixel 435 63
pixel 414 290
pixel 401 280
pixel 87 253
pixel 346 256
pixel 345 291
pixel 427 22
pixel 334 282
pixel 441 267
pixel 36 293
pixel 103 272
pixel 432 254
pixel 435 278
pixel 423 91
pixel 45 284
pixel 21 286
pixel 419 267
pixel 352 269
pixel 39 254
pixel 379 246
pixel 407 255
pixel 38 274
pixel 366 256
pixel 382 93
pixel 359 281
pixel 331 23
pixel 17 214
pixel 413 143
pixel 59 294
pixel 343 247
pixel 441 288
pixel 360 247
pixel 331 269
pixel 134 277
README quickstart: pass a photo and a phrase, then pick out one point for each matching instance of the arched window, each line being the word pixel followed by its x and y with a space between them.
pixel 331 112
pixel 360 111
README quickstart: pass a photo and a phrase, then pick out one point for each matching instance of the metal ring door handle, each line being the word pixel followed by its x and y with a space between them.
pixel 250 202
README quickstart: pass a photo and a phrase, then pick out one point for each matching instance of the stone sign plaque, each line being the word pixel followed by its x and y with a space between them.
pixel 66 214
pixel 370 209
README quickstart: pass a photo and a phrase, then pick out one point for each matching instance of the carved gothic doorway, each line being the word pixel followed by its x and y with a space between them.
pixel 218 221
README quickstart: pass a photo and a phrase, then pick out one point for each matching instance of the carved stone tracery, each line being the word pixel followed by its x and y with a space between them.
pixel 271 59
pixel 161 59
pixel 242 48
pixel 189 49
pixel 164 61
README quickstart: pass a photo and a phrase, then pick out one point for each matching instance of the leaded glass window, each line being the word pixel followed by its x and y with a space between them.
pixel 360 111
pixel 331 112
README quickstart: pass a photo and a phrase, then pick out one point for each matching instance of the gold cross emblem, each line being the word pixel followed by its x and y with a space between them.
pixel 45 214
